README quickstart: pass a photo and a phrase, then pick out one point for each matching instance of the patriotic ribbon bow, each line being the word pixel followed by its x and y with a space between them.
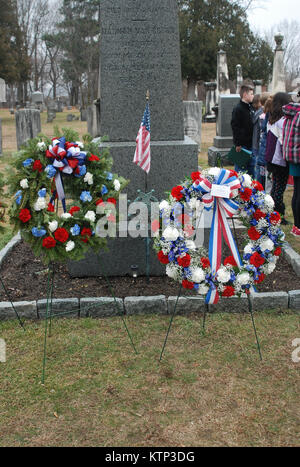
pixel 67 158
pixel 222 208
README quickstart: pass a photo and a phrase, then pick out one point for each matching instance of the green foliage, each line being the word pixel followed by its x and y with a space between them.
pixel 203 23
pixel 14 63
pixel 27 181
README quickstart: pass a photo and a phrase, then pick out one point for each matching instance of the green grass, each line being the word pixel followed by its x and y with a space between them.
pixel 209 390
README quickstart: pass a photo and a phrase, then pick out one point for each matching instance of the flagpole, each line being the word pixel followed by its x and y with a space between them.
pixel 146 175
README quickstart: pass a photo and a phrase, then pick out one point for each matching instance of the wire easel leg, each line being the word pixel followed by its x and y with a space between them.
pixel 120 313
pixel 170 325
pixel 253 323
pixel 51 296
pixel 206 310
pixel 48 305
pixel 8 296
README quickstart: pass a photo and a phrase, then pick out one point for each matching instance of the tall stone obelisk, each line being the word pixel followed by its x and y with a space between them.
pixel 140 51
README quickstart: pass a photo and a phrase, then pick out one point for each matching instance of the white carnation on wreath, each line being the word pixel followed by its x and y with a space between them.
pixel 267 245
pixel 223 275
pixel 117 185
pixel 171 234
pixel 40 204
pixel 90 216
pixel 66 215
pixel 243 278
pixel 70 245
pixel 24 183
pixel 53 226
pixel 41 146
pixel 88 178
pixel 197 275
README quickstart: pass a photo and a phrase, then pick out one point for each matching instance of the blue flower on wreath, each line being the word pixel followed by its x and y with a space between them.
pixel 86 196
pixel 82 171
pixel 109 176
pixel 42 193
pixel 75 230
pixel 50 171
pixel 104 190
pixel 18 197
pixel 27 162
pixel 38 232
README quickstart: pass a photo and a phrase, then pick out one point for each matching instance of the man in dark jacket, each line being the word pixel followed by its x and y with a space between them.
pixel 242 125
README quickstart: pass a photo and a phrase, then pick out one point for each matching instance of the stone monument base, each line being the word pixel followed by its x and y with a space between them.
pixel 214 153
pixel 171 161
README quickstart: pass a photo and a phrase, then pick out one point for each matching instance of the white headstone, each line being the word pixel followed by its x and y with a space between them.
pixel 222 71
pixel 239 78
pixel 2 90
pixel 278 82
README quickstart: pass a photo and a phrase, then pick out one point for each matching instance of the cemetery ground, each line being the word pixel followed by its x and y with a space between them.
pixel 209 390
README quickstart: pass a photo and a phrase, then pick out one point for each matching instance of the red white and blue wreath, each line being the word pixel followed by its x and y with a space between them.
pixel 57 186
pixel 228 194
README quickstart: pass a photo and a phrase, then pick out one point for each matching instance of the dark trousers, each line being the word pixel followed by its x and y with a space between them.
pixel 280 178
pixel 296 202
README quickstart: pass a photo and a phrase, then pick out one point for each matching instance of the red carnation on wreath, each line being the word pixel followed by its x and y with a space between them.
pixel 228 291
pixel 189 230
pixel 86 234
pixel 49 242
pixel 184 218
pixel 257 186
pixel 205 262
pixel 37 166
pixel 112 201
pixel 50 207
pixel 99 202
pixel 164 259
pixel 74 209
pixel 187 284
pixel 176 192
pixel 195 176
pixel 246 194
pixel 260 279
pixel 93 158
pixel 184 261
pixel 61 235
pixel 278 251
pixel 257 260
pixel 259 215
pixel 24 215
pixel 253 234
pixel 275 218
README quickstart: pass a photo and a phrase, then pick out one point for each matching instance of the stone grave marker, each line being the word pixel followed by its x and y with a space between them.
pixel 223 141
pixel 28 125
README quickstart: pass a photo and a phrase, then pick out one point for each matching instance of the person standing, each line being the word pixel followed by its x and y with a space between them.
pixel 291 153
pixel 276 164
pixel 242 126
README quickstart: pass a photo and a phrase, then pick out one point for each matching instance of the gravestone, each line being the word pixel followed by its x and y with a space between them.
pixel 278 81
pixel 222 71
pixel 239 78
pixel 139 51
pixel 92 121
pixel 223 141
pixel 37 99
pixel 28 125
pixel 2 90
pixel 210 101
pixel 192 117
pixel 83 115
pixel 257 86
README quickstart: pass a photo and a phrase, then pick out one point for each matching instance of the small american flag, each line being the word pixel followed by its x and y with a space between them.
pixel 142 156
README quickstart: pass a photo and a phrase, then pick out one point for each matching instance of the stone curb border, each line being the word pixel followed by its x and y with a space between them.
pixel 106 306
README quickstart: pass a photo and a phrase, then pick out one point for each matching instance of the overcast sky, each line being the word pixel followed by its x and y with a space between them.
pixel 273 12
